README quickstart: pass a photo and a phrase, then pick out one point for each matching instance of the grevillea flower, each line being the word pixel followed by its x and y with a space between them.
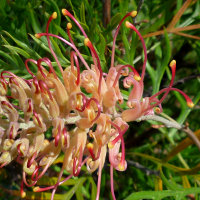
pixel 48 101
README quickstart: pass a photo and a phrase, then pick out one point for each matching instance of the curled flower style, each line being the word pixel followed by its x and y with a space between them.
pixel 49 102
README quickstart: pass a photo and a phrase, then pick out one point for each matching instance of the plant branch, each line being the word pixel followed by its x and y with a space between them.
pixel 138 9
pixel 172 124
pixel 183 80
pixel 143 168
pixel 106 12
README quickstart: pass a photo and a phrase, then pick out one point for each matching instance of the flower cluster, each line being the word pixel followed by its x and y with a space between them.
pixel 28 108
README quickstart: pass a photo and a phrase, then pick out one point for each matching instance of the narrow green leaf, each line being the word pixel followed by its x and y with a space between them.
pixel 57 50
pixel 181 146
pixel 4 40
pixel 184 114
pixel 101 46
pixel 45 180
pixel 62 32
pixel 126 45
pixel 42 196
pixel 35 195
pixel 23 32
pixel 180 170
pixel 79 194
pixel 114 22
pixel 2 7
pixel 24 46
pixel 158 161
pixel 3 65
pixel 72 191
pixel 41 43
pixel 151 72
pixel 121 61
pixel 18 42
pixel 34 21
pixel 18 50
pixel 85 26
pixel 170 184
pixel 19 62
pixel 161 69
pixel 8 58
pixel 72 7
pixel 132 48
pixel 123 5
pixel 53 3
pixel 162 194
pixel 82 13
pixel 93 189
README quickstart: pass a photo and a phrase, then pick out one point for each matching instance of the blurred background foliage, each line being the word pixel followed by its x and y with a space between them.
pixel 162 163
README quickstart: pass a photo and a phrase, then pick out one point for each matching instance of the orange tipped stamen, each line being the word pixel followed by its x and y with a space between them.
pixel 54 15
pixel 64 12
pixel 136 74
pixel 38 35
pixel 173 68
pixel 157 110
pixel 137 77
pixel 128 24
pixel 190 104
pixel 36 189
pixel 90 146
pixel 69 25
pixel 87 42
pixel 23 194
pixel 134 13
pixel 172 63
pixel 111 145
pixel 131 26
pixel 121 166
